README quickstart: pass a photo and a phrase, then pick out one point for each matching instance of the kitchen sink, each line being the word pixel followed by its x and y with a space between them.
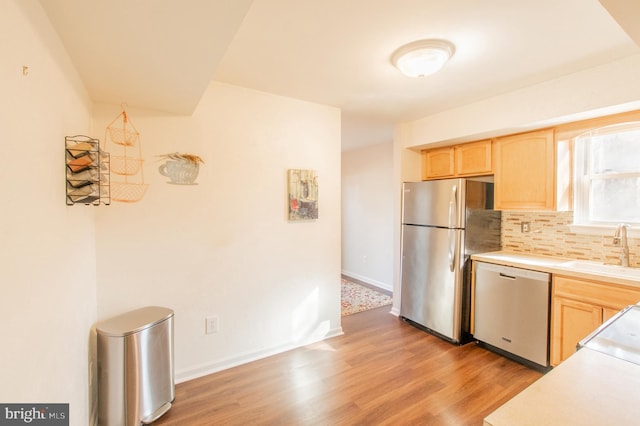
pixel 602 269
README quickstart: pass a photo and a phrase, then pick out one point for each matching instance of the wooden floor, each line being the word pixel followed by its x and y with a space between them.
pixel 382 371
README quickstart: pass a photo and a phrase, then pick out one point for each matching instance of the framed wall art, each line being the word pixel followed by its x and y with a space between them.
pixel 302 188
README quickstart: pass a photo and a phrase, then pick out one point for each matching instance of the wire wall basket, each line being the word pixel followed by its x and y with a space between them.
pixel 123 140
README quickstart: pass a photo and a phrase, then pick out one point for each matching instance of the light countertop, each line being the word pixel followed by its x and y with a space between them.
pixel 589 388
pixel 564 266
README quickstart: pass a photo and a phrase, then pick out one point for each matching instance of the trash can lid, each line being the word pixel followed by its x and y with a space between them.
pixel 134 321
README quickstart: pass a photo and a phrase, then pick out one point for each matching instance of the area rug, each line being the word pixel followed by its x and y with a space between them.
pixel 358 298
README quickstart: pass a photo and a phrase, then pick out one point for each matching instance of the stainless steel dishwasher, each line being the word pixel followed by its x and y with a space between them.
pixel 511 311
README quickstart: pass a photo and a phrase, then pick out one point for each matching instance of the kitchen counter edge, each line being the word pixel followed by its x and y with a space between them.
pixel 552 265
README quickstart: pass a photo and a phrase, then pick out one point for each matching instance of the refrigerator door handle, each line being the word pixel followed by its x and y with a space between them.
pixel 452 249
pixel 453 204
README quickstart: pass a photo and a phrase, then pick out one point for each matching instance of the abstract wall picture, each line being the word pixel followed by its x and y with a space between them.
pixel 303 194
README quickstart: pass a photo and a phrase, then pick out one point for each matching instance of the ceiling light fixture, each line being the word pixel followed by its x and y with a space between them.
pixel 423 57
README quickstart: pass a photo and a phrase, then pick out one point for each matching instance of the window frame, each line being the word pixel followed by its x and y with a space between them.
pixel 582 179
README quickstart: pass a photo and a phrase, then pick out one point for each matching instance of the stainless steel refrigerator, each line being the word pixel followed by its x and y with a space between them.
pixel 443 223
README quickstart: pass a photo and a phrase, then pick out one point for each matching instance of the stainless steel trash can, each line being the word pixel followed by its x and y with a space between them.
pixel 135 367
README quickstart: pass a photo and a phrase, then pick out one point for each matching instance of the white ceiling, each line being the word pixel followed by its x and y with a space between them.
pixel 157 54
pixel 161 54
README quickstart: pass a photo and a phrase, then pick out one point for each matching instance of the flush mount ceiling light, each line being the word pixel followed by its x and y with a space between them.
pixel 423 57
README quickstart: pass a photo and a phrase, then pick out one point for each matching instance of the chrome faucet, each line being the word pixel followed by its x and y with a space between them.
pixel 620 239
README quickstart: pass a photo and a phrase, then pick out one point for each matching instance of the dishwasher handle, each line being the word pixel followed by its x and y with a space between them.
pixel 509 277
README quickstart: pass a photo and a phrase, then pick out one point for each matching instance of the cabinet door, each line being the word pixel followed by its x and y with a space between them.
pixel 473 159
pixel 607 313
pixel 525 171
pixel 437 163
pixel 572 322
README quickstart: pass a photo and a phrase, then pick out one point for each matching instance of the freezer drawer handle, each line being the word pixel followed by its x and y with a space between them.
pixel 511 277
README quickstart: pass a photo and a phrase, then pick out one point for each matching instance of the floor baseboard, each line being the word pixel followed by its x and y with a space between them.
pixel 374 285
pixel 194 372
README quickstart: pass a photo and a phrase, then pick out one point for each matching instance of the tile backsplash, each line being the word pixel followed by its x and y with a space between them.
pixel 549 235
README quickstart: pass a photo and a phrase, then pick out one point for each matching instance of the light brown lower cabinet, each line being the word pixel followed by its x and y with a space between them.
pixel 573 321
pixel 579 307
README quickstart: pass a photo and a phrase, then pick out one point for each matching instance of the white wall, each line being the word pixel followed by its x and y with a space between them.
pixel 47 271
pixel 598 91
pixel 367 214
pixel 224 247
pixel 406 168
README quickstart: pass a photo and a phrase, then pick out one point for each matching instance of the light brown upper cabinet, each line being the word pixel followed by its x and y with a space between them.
pixel 473 159
pixel 438 163
pixel 525 171
pixel 469 159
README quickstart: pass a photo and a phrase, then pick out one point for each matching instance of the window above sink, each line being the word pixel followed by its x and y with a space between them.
pixel 607 178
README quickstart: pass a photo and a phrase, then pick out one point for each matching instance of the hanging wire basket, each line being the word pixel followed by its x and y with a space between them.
pixel 127 166
pixel 127 192
pixel 126 161
pixel 123 136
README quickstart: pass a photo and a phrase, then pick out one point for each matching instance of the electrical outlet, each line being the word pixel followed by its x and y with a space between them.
pixel 211 325
pixel 525 227
pixel 364 259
